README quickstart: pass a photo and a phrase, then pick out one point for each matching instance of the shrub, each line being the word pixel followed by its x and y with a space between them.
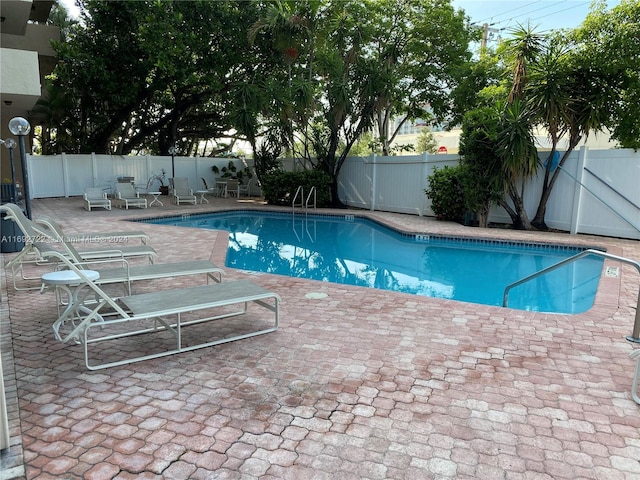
pixel 280 187
pixel 446 191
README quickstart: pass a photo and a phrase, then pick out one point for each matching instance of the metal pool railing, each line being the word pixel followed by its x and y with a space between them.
pixel 635 335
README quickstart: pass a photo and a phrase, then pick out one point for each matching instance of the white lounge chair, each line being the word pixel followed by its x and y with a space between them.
pixel 95 197
pixel 108 251
pixel 164 313
pixel 126 273
pixel 47 237
pixel 117 236
pixel 126 196
pixel 181 191
pixel 635 385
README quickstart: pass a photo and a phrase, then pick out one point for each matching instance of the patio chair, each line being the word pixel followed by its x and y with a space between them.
pixel 245 189
pixel 181 191
pixel 233 188
pixel 126 196
pixel 164 313
pixel 213 190
pixel 635 386
pixel 95 197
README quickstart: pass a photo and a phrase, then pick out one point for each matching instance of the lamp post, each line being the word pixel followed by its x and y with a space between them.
pixel 20 127
pixel 172 151
pixel 10 143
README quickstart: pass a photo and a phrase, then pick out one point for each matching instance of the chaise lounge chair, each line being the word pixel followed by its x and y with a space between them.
pixel 181 191
pixel 635 386
pixel 34 233
pixel 103 237
pixel 164 313
pixel 126 196
pixel 94 197
pixel 126 273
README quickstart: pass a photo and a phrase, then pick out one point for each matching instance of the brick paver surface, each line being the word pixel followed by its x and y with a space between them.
pixel 358 384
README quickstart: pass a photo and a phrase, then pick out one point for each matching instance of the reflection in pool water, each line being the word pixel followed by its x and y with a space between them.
pixel 361 252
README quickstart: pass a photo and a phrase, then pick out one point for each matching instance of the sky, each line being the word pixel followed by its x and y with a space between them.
pixel 502 15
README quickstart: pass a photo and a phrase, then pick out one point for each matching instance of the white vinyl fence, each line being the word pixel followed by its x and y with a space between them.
pixel 597 192
pixel 68 175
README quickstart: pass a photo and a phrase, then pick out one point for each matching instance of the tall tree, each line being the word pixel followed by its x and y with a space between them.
pixel 152 74
pixel 359 62
pixel 590 85
pixel 423 46
pixel 515 142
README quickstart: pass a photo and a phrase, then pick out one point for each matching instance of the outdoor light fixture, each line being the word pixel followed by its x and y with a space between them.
pixel 20 127
pixel 10 143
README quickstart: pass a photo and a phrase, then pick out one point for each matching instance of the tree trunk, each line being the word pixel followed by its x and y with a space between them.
pixel 547 187
pixel 335 199
pixel 518 214
pixel 483 218
pixel 538 220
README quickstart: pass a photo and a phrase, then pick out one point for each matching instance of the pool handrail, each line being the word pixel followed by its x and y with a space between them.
pixel 635 335
pixel 300 193
pixel 304 203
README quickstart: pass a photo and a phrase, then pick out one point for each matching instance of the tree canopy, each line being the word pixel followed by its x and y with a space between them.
pixel 148 75
pixel 313 77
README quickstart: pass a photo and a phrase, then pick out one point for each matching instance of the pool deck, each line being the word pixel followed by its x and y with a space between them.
pixel 357 384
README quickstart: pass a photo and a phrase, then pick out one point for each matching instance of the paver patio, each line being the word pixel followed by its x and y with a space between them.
pixel 360 384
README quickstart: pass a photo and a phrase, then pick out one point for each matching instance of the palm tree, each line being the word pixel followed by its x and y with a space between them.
pixel 572 100
pixel 521 50
pixel 517 151
pixel 515 141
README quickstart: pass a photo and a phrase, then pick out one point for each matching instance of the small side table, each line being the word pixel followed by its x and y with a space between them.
pixel 155 198
pixel 202 194
pixel 72 285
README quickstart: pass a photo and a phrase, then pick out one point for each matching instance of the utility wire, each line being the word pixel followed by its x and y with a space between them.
pixel 513 18
pixel 508 11
pixel 560 11
pixel 509 20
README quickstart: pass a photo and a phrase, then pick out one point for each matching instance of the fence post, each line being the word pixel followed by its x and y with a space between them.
pixel 425 174
pixel 577 196
pixel 149 168
pixel 65 175
pixel 94 170
pixel 374 175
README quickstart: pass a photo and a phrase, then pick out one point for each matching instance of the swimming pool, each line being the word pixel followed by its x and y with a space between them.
pixel 357 251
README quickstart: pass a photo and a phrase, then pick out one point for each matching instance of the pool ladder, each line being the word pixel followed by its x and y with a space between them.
pixel 635 335
pixel 304 203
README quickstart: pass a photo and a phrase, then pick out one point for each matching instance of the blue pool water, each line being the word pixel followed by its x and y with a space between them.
pixel 356 251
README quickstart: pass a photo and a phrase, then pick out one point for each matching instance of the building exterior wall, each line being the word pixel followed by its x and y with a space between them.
pixel 26 57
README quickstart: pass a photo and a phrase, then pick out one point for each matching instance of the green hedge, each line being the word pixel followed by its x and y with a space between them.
pixel 279 188
pixel 446 191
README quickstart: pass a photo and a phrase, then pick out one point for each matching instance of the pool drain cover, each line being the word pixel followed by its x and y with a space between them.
pixel 316 295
